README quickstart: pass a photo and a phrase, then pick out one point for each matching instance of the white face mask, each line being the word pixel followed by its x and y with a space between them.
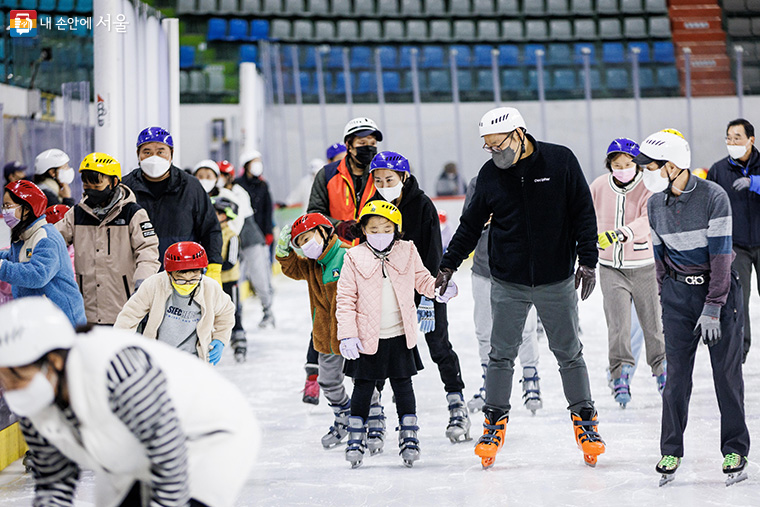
pixel 66 176
pixel 654 182
pixel 737 151
pixel 155 166
pixel 391 193
pixel 208 185
pixel 256 168
pixel 33 398
pixel 380 241
pixel 312 248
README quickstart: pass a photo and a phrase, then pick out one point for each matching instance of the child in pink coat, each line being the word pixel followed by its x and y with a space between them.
pixel 377 323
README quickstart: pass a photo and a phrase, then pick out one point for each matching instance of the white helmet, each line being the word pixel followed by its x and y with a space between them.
pixel 362 127
pixel 32 327
pixel 208 164
pixel 248 156
pixel 315 165
pixel 667 145
pixel 501 120
pixel 49 159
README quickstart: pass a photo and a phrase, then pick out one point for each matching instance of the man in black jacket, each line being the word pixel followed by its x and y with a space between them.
pixel 542 220
pixel 739 175
pixel 177 205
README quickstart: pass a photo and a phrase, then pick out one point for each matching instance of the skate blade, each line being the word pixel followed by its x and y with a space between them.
pixel 590 460
pixel 736 477
pixel 408 463
pixel 487 462
pixel 457 439
pixel 310 400
pixel 356 464
pixel 666 478
pixel 373 452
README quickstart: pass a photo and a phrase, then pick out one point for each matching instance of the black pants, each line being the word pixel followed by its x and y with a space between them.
pixel 361 398
pixel 441 351
pixel 133 499
pixel 312 356
pixel 681 307
pixel 745 260
pixel 238 333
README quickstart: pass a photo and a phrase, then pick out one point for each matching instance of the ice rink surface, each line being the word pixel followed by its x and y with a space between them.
pixel 538 465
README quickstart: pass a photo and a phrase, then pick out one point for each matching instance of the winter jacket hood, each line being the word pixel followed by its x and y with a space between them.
pixel 745 204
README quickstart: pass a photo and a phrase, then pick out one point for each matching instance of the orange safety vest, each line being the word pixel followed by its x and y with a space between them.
pixel 340 190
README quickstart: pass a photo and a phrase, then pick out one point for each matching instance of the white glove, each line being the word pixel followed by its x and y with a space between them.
pixel 451 291
pixel 350 348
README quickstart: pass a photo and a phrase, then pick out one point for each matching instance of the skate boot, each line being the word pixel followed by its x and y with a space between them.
pixel 357 441
pixel 734 467
pixel 339 429
pixel 479 399
pixel 622 386
pixel 531 389
pixel 586 436
pixel 376 429
pixel 667 467
pixel 661 381
pixel 408 444
pixel 311 388
pixel 494 429
pixel 458 429
pixel 267 320
pixel 239 345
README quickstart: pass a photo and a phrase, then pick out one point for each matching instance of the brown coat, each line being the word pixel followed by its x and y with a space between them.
pixel 113 256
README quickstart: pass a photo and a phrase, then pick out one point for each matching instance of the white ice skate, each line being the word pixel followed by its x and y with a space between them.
pixel 357 441
pixel 408 444
pixel 376 429
pixel 458 429
pixel 531 389
pixel 339 429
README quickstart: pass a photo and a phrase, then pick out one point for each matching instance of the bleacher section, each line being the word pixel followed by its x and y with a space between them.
pixel 742 23
pixel 227 32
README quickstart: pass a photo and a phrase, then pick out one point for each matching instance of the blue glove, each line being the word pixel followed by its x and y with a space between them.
pixel 350 347
pixel 426 315
pixel 215 353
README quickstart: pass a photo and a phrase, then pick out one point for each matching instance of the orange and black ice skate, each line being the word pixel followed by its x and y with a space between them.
pixel 492 439
pixel 586 436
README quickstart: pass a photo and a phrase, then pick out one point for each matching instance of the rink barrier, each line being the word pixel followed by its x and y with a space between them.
pixel 12 445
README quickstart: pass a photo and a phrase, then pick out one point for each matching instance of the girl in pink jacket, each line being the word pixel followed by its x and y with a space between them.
pixel 377 323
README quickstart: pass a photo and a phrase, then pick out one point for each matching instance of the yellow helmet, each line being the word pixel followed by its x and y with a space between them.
pixel 382 209
pixel 101 163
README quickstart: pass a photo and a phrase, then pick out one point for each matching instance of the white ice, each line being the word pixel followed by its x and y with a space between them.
pixel 538 465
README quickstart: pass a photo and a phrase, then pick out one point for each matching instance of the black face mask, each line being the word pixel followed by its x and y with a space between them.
pixel 365 154
pixel 98 198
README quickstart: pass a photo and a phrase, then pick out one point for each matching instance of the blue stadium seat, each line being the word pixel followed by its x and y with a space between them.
pixel 391 82
pixel 84 6
pixel 578 51
pixel 46 5
pixel 28 4
pixel 509 55
pixel 646 78
pixel 335 58
pixel 613 52
pixel 361 58
pixel 439 81
pixel 432 57
pixel 667 77
pixel 464 79
pixel 387 57
pixel 664 52
pixel 405 57
pixel 238 30
pixel 464 55
pixel 529 54
pixel 11 4
pixel 482 56
pixel 485 80
pixel 80 28
pixel 564 79
pixel 559 54
pixel 340 83
pixel 259 29
pixel 217 29
pixel 65 6
pixel 289 85
pixel 309 57
pixel 186 57
pixel 249 53
pixel 644 51
pixel 367 83
pixel 533 79
pixel 512 80
pixel 617 79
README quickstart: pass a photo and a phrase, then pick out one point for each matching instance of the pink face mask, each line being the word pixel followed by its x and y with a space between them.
pixel 624 175
pixel 380 241
pixel 9 215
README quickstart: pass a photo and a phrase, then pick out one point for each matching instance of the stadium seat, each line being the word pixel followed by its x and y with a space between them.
pixel 227 7
pixel 459 9
pixel 259 29
pixel 529 54
pixel 631 6
pixel 533 79
pixel 391 82
pixel 197 82
pixel 609 29
pixel 488 30
pixel 335 58
pixel 656 6
pixel 464 55
pixel 416 29
pixel 249 53
pixel 607 6
pixel 634 28
pixel 65 6
pixel 246 6
pixel 512 30
pixel 280 29
pixel 49 5
pixel 432 57
pixel 464 30
pixel 613 52
pixel 393 30
pixel 643 51
pixel 664 52
pixel 324 30
pixel 485 80
pixel 535 29
pixel 507 8
pixel 434 7
pixel 509 55
pixel 533 7
pixel 751 76
pixel 560 29
pixel 340 84
pixel 585 29
pixel 739 27
pixel 564 80
pixel 440 30
pixel 659 27
pixel 348 29
pixel 367 83
pixel 512 80
pixel 646 78
pixel 186 57
pixel 559 54
pixel 464 80
pixel 203 7
pixel 215 76
pixel 342 9
pixel 303 29
pixel 582 7
pixel 667 77
pixel 755 23
pixel 308 57
pixel 364 8
pixel 753 5
pixel 482 7
pixel 578 52
pixel 387 7
pixel 413 7
pixel 370 30
pixel 238 30
pixel 294 7
pixel 482 56
pixel 617 79
pixel 217 30
pixel 83 6
pixel 556 7
pixel 361 58
pixel 439 81
pixel 405 57
pixel 184 82
pixel 388 58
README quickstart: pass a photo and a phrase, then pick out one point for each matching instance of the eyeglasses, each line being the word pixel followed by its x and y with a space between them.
pixel 10 206
pixel 497 149
pixel 186 282
pixel 736 139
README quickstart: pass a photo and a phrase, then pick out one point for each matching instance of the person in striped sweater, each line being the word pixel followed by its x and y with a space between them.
pixel 700 296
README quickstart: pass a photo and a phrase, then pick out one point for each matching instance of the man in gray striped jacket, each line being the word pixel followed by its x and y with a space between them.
pixel 700 296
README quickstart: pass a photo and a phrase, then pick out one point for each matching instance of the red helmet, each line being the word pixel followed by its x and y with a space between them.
pixel 307 222
pixel 185 255
pixel 442 217
pixel 225 167
pixel 55 213
pixel 30 194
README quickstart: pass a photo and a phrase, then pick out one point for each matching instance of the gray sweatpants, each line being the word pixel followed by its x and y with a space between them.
pixel 481 294
pixel 557 306
pixel 619 288
pixel 744 261
pixel 258 270
pixel 330 378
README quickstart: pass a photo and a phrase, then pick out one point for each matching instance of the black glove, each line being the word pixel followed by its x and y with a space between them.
pixel 442 280
pixel 345 230
pixel 709 328
pixel 586 276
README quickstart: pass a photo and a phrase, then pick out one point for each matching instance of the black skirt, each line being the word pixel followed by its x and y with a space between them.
pixel 392 360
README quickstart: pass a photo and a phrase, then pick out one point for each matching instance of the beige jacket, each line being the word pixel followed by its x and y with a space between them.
pixel 112 257
pixel 217 310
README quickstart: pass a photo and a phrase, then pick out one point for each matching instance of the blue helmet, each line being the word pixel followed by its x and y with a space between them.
pixel 155 135
pixel 335 149
pixel 390 160
pixel 623 145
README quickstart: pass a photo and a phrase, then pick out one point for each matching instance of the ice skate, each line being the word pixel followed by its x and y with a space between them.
pixel 479 398
pixel 531 389
pixel 667 467
pixel 586 435
pixel 357 441
pixel 376 429
pixel 734 467
pixel 267 320
pixel 239 345
pixel 489 444
pixel 458 429
pixel 311 388
pixel 408 444
pixel 622 386
pixel 27 462
pixel 339 429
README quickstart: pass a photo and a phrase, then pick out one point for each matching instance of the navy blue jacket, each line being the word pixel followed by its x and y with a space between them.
pixel 543 217
pixel 745 204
